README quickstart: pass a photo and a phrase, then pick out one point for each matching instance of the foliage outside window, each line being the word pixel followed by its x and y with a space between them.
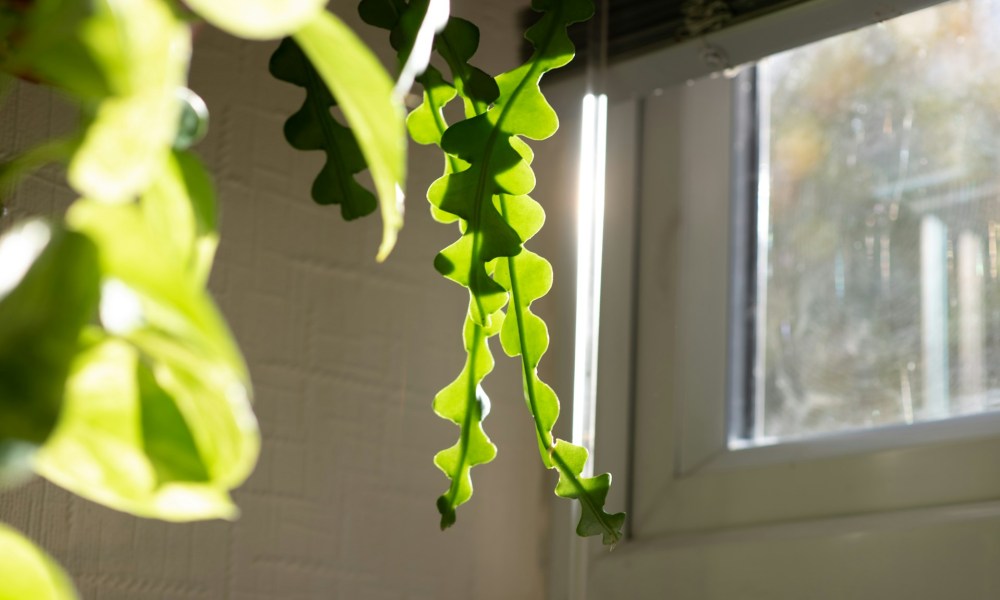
pixel 881 300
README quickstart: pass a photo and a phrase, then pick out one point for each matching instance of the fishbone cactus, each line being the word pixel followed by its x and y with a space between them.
pixel 485 185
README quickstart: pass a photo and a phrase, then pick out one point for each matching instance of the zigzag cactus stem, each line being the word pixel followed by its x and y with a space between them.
pixel 485 185
pixel 491 197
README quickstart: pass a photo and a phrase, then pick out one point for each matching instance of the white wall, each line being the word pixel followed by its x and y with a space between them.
pixel 346 356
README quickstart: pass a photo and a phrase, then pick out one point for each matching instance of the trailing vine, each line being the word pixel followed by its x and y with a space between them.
pixel 491 196
pixel 485 185
pixel 119 379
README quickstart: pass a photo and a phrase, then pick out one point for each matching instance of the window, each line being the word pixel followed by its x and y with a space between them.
pixel 728 496
pixel 878 299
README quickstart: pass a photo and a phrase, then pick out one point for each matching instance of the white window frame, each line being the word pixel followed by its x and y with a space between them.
pixel 899 512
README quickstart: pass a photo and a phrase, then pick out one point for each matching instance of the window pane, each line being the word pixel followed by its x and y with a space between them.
pixel 879 211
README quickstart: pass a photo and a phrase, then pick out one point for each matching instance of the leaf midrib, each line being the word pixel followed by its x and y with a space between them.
pixel 466 428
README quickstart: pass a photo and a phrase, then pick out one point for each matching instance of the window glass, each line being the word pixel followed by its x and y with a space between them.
pixel 878 291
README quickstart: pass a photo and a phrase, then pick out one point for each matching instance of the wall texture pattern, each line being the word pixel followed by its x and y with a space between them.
pixel 345 355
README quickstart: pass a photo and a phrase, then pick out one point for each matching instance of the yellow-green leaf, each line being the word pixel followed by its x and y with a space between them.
pixel 176 327
pixel 144 50
pixel 258 19
pixel 28 572
pixel 125 62
pixel 122 443
pixel 157 419
pixel 180 205
pixel 48 293
pixel 139 254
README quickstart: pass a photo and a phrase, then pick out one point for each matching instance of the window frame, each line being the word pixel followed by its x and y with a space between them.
pixel 669 299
